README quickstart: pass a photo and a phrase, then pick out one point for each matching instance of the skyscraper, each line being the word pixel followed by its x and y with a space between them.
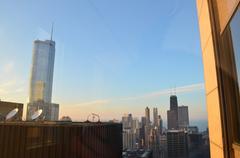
pixel 135 123
pixel 42 71
pixel 142 132
pixel 183 118
pixel 160 122
pixel 147 115
pixel 172 114
pixel 147 127
pixel 130 121
pixel 127 121
pixel 177 144
pixel 155 117
pixel 131 132
pixel 40 96
pixel 129 139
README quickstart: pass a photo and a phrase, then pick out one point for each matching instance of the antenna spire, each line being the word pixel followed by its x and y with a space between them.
pixel 52 30
pixel 175 90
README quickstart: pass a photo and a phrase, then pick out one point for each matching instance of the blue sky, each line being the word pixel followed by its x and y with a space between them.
pixel 105 51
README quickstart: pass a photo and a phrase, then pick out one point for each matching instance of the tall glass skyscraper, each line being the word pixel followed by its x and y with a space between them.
pixel 42 71
pixel 41 82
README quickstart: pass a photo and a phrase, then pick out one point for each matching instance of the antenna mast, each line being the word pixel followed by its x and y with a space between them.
pixel 52 31
pixel 175 90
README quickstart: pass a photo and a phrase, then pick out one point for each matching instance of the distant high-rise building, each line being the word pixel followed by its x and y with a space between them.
pixel 130 121
pixel 127 121
pixel 42 80
pixel 183 117
pixel 160 122
pixel 143 121
pixel 142 132
pixel 155 142
pixel 147 128
pixel 155 117
pixel 129 139
pixel 172 114
pixel 147 132
pixel 147 115
pixel 135 123
pixel 131 132
pixel 136 130
pixel 172 119
pixel 177 144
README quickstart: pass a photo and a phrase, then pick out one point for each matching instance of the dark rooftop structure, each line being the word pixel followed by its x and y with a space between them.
pixel 60 140
pixel 6 107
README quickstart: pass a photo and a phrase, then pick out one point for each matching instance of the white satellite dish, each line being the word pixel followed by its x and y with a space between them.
pixel 11 114
pixel 37 114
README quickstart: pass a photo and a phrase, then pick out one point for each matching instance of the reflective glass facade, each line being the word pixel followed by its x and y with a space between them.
pixel 42 71
pixel 235 33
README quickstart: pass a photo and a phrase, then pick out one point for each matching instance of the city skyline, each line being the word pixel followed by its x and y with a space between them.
pixel 177 140
pixel 115 76
pixel 120 79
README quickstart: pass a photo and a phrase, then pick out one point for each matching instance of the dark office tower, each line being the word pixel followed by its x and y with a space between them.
pixel 183 118
pixel 155 117
pixel 172 119
pixel 160 123
pixel 177 144
pixel 142 132
pixel 173 102
pixel 143 121
pixel 147 127
pixel 172 114
pixel 147 115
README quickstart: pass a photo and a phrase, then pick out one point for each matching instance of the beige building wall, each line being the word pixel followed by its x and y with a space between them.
pixel 211 85
pixel 226 9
